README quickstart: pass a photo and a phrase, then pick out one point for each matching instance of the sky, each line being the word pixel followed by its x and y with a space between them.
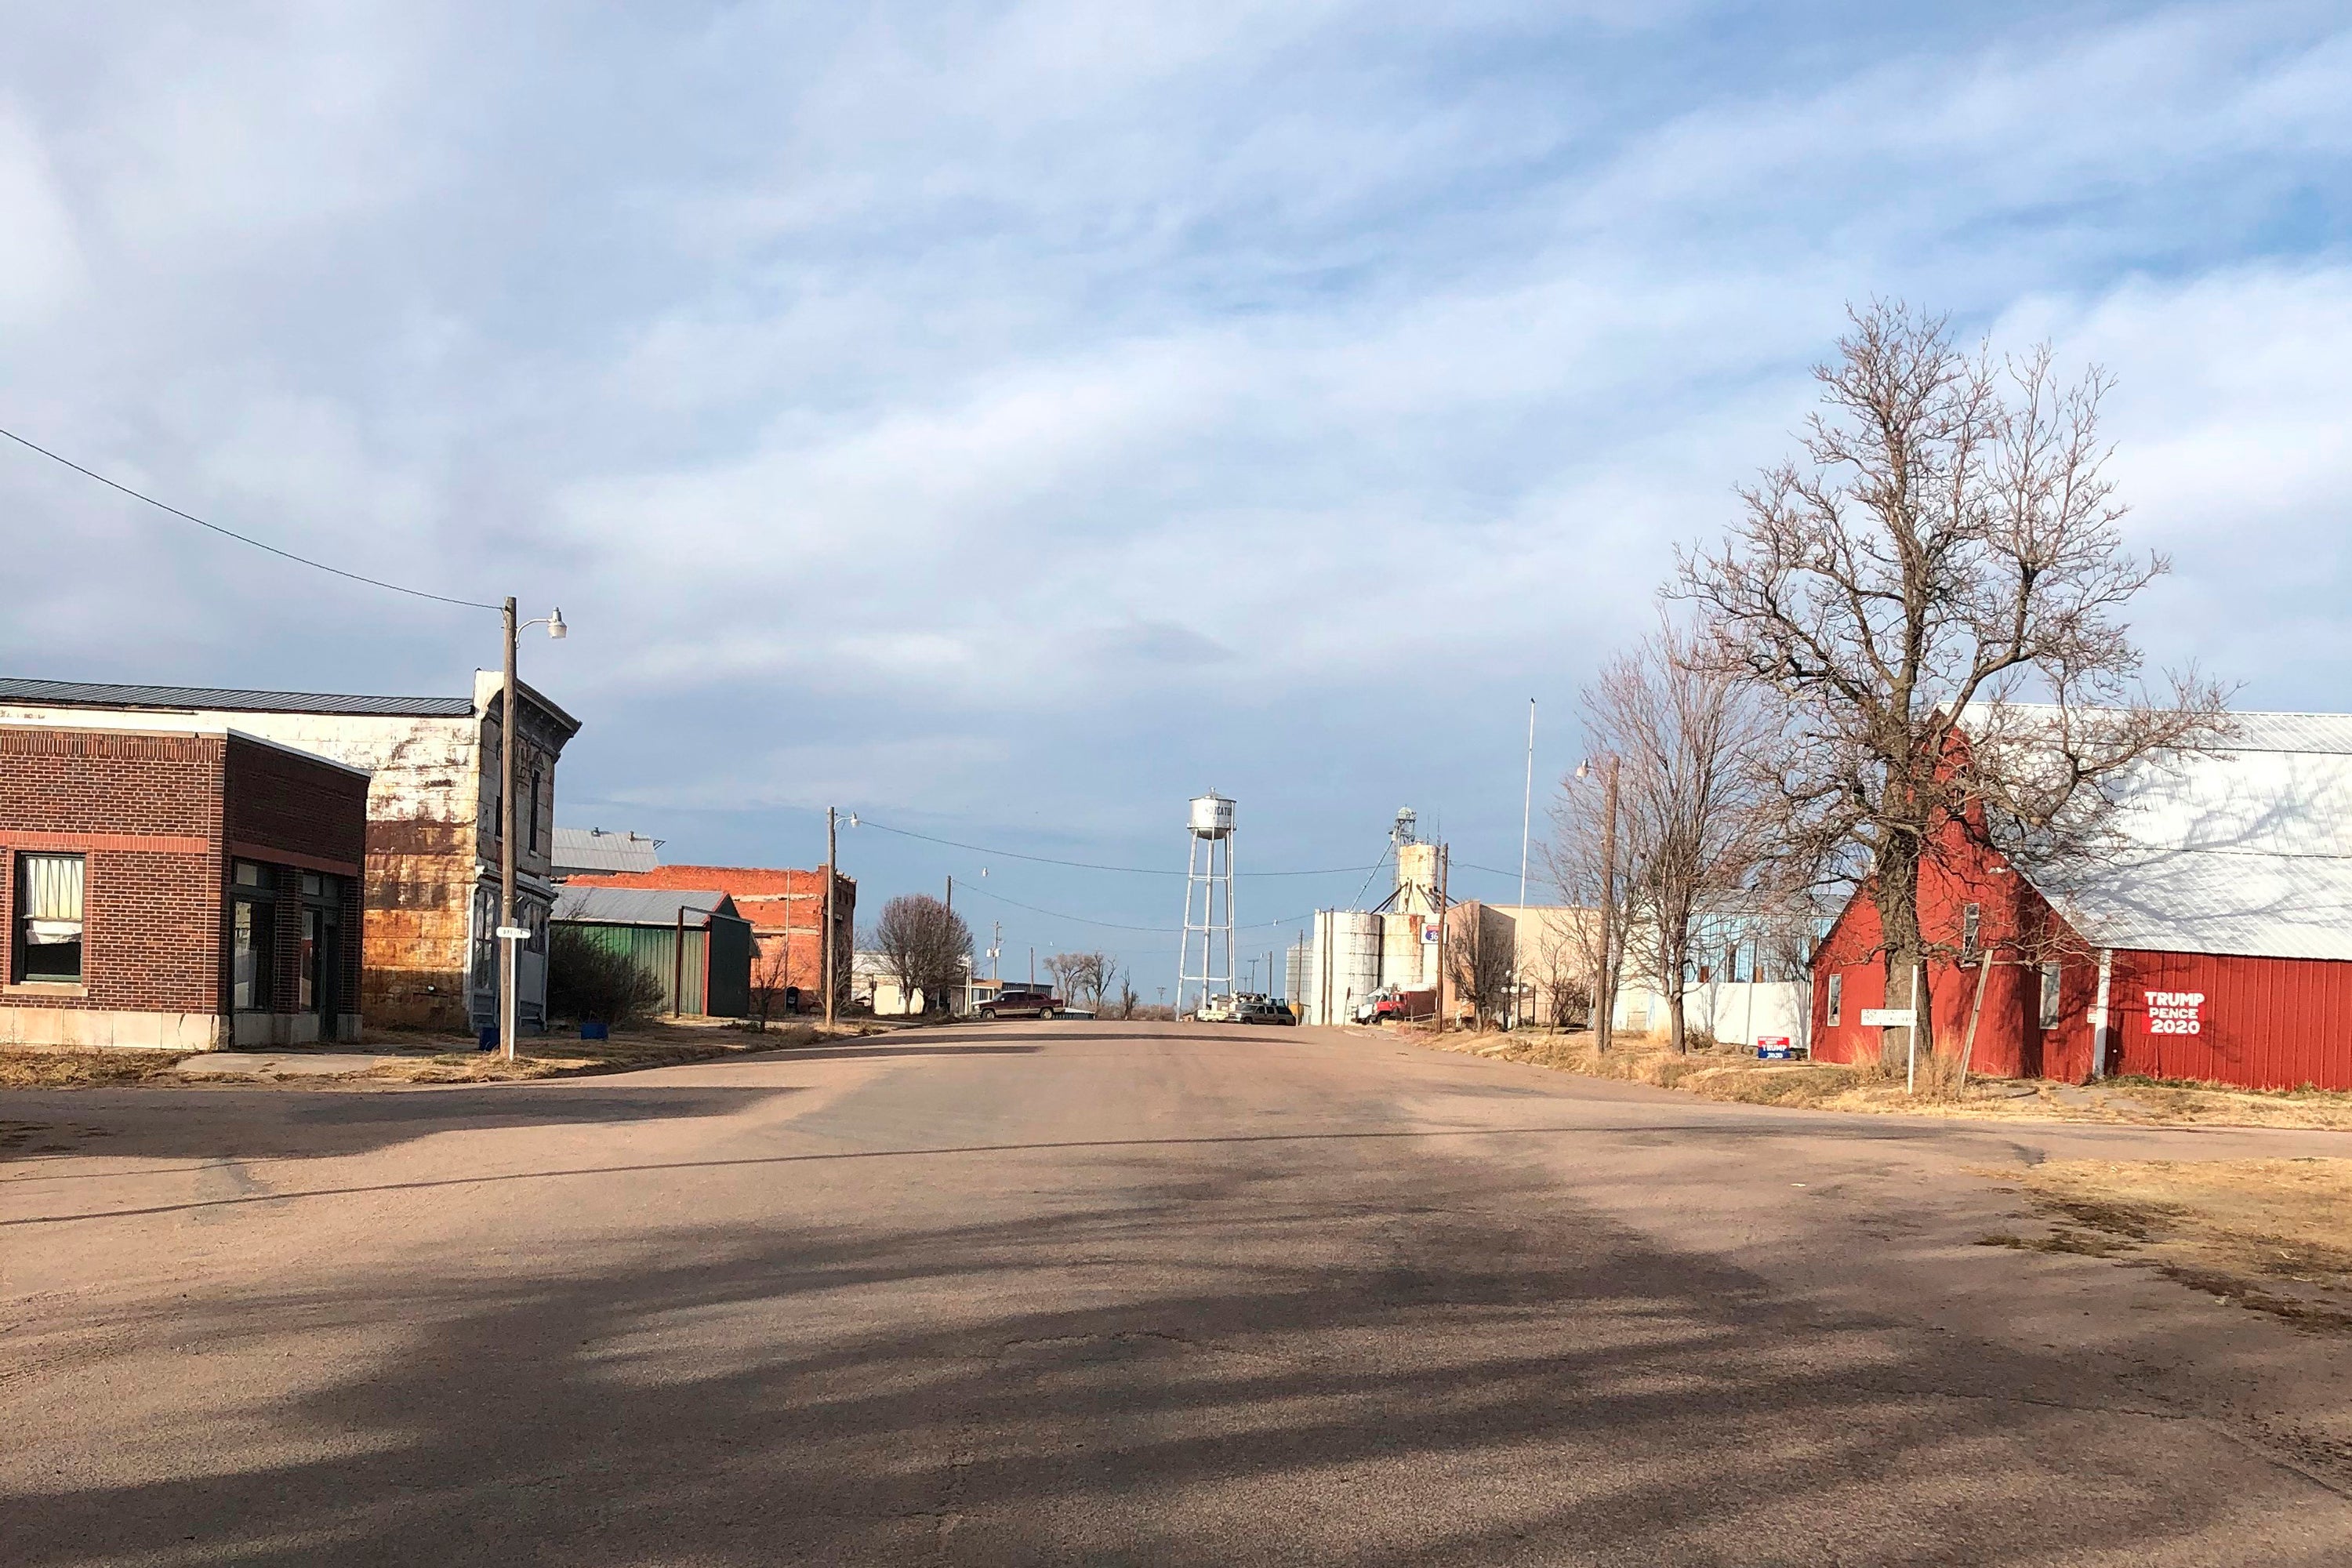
pixel 1005 422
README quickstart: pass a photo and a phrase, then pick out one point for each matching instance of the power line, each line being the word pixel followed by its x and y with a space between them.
pixel 1115 925
pixel 1092 865
pixel 241 538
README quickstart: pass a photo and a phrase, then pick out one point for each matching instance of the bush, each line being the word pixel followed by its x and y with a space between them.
pixel 587 979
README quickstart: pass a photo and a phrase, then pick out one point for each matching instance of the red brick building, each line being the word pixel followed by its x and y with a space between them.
pixel 182 887
pixel 785 907
pixel 2213 943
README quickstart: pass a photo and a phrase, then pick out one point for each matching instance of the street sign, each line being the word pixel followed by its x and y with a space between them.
pixel 514 934
pixel 1889 1017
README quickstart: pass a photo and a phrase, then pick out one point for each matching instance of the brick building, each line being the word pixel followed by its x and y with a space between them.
pixel 183 887
pixel 785 907
pixel 429 956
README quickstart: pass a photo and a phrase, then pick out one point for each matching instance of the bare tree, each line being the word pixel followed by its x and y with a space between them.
pixel 1575 856
pixel 1686 735
pixel 923 946
pixel 1083 978
pixel 1478 952
pixel 1947 547
pixel 1563 972
pixel 771 978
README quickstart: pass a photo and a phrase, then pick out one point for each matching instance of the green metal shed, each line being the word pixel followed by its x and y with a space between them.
pixel 709 976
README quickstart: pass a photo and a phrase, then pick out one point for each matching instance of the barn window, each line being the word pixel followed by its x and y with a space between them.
pixel 1837 997
pixel 2048 995
pixel 48 919
pixel 1972 934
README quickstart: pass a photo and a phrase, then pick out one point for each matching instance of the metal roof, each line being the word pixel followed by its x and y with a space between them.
pixel 183 699
pixel 596 849
pixel 2246 852
pixel 639 906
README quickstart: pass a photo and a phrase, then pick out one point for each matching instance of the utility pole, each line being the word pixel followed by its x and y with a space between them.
pixel 677 966
pixel 1526 818
pixel 950 895
pixel 832 877
pixel 508 1010
pixel 1445 863
pixel 510 742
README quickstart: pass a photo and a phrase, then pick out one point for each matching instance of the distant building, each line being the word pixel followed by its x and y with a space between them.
pixel 597 851
pixel 786 909
pixel 181 886
pixel 429 957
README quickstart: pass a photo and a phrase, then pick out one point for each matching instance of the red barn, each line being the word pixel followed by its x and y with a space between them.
pixel 2214 944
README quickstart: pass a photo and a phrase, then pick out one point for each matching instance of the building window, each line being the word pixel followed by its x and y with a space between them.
pixel 2048 995
pixel 534 811
pixel 48 919
pixel 1837 998
pixel 251 954
pixel 1972 934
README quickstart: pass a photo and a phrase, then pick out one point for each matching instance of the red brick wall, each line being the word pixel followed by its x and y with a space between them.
pixel 151 914
pixel 153 817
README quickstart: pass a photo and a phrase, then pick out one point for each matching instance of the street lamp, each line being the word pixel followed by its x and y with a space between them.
pixel 509 737
pixel 1605 1004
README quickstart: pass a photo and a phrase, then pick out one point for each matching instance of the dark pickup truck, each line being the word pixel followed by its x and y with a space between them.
pixel 1022 1002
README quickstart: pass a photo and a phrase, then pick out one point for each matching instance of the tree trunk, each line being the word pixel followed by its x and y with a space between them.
pixel 1898 918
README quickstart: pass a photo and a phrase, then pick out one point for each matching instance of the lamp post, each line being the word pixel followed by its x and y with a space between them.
pixel 509 736
pixel 1605 1004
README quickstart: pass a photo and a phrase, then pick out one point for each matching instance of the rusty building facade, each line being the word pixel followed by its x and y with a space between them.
pixel 428 956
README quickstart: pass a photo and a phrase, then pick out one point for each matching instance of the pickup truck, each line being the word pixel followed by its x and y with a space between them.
pixel 1022 1002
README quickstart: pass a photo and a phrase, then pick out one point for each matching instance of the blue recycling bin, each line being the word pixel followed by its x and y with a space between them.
pixel 489 1038
pixel 595 1031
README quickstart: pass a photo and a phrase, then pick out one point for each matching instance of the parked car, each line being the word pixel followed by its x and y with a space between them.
pixel 1265 1010
pixel 1022 1002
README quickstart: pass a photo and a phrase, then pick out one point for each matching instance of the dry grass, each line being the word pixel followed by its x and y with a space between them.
pixel 648 1046
pixel 1733 1074
pixel 32 1068
pixel 2271 1235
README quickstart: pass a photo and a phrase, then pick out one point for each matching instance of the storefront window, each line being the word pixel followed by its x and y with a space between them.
pixel 48 919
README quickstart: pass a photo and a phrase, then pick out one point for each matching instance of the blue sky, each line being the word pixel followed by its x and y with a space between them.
pixel 1007 421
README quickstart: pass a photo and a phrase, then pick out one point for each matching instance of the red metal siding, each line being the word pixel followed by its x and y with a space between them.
pixel 2265 1023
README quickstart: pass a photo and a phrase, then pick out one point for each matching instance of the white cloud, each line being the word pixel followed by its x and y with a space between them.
pixel 1238 378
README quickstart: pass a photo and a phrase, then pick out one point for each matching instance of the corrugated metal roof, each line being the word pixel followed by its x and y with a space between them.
pixel 94 694
pixel 2246 852
pixel 639 906
pixel 597 850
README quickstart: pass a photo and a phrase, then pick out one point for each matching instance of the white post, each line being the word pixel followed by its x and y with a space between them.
pixel 2099 1015
pixel 1911 1051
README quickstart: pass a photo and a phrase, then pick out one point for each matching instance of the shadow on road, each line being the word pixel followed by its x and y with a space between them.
pixel 292 1123
pixel 1221 1363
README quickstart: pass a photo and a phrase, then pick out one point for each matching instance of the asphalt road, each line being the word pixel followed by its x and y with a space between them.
pixel 1111 1293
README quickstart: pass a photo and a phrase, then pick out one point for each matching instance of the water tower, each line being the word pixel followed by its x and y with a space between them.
pixel 1208 902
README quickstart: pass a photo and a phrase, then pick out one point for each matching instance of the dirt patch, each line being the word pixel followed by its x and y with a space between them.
pixel 22 1068
pixel 2274 1236
pixel 1734 1074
